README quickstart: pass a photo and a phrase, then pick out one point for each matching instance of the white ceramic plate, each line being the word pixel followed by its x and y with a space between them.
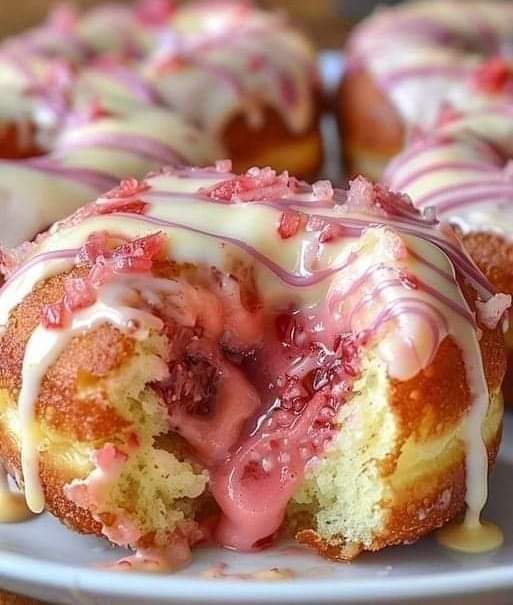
pixel 43 559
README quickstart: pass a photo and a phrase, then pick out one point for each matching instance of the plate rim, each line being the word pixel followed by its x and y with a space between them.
pixel 98 582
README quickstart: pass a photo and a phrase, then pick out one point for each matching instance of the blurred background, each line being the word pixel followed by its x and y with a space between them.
pixel 327 20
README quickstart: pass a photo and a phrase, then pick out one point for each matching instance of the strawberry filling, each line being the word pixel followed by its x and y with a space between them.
pixel 256 396
pixel 303 376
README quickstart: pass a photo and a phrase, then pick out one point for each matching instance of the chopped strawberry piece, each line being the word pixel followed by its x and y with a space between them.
pixel 494 75
pixel 97 110
pixel 376 199
pixel 101 273
pixel 131 264
pixel 79 294
pixel 104 206
pixel 135 207
pixel 136 256
pixel 192 385
pixel 127 188
pixel 256 185
pixel 360 196
pixel 323 190
pixel 95 246
pixel 147 248
pixel 290 223
pixel 394 204
pixel 331 232
pixel 54 316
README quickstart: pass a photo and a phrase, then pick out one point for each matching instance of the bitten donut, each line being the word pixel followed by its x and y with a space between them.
pixel 411 64
pixel 243 76
pixel 201 354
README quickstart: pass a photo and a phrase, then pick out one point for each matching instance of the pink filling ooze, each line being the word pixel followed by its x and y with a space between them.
pixel 291 373
pixel 230 365
pixel 304 375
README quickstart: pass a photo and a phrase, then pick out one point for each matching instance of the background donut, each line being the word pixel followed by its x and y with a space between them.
pixel 407 64
pixel 119 80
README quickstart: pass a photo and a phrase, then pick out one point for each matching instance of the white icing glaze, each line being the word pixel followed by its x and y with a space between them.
pixel 90 159
pixel 471 538
pixel 247 59
pixel 460 169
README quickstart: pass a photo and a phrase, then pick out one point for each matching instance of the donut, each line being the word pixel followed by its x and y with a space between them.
pixel 243 82
pixel 410 65
pixel 202 355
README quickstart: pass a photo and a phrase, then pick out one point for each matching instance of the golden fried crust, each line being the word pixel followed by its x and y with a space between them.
pixel 249 146
pixel 420 511
pixel 10 139
pixel 493 254
pixel 368 121
pixel 417 513
pixel 53 479
pixel 443 395
pixel 328 549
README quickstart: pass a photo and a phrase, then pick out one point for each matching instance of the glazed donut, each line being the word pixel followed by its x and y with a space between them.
pixel 201 353
pixel 243 76
pixel 410 63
